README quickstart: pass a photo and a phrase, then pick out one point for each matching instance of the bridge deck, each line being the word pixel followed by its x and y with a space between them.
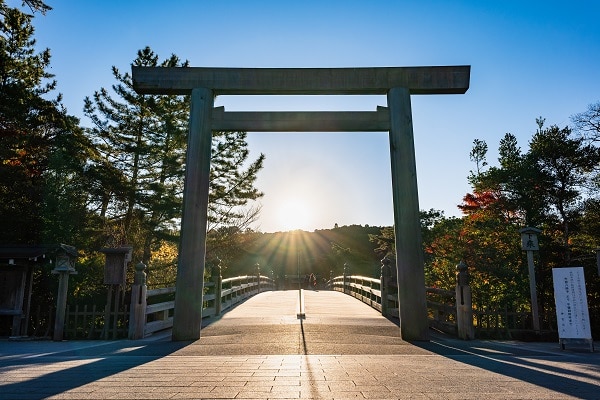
pixel 335 324
pixel 342 350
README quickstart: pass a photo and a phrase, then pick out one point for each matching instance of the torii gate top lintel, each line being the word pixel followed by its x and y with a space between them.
pixel 301 81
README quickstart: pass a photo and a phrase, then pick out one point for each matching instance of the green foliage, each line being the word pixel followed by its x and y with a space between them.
pixel 544 186
pixel 442 244
pixel 138 164
pixel 231 185
pixel 29 127
pixel 34 5
pixel 86 287
pixel 43 150
pixel 162 270
pixel 565 162
pixel 385 242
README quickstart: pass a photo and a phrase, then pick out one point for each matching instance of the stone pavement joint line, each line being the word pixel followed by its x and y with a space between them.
pixel 260 350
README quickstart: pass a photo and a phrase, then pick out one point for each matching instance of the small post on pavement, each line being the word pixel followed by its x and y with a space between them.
pixel 300 313
pixel 529 243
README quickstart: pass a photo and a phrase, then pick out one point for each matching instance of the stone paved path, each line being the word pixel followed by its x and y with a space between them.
pixel 260 350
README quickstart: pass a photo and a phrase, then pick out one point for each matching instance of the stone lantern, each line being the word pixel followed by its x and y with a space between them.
pixel 64 266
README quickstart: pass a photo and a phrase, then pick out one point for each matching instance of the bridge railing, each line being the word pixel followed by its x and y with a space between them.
pixel 157 316
pixel 441 309
pixel 448 311
pixel 365 289
pixel 223 294
pixel 147 316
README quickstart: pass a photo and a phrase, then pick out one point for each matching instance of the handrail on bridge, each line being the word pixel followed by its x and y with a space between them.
pixel 368 290
pixel 448 311
pixel 219 295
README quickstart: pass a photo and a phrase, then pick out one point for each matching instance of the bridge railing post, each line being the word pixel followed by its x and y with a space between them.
pixel 345 280
pixel 137 310
pixel 218 281
pixel 464 307
pixel 385 277
pixel 257 277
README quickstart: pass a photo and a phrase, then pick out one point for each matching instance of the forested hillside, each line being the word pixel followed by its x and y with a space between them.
pixel 319 252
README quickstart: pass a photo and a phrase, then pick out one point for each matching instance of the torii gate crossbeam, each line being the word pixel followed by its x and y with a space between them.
pixel 398 83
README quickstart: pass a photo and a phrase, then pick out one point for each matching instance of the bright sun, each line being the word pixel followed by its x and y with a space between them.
pixel 293 214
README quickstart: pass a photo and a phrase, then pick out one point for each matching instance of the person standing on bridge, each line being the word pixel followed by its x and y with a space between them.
pixel 312 282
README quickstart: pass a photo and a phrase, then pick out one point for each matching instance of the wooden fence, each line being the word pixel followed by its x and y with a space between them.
pixel 81 322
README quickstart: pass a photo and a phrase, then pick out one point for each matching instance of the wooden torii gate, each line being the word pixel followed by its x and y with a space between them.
pixel 398 83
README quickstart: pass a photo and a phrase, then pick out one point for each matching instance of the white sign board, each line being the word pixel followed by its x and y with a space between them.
pixel 571 303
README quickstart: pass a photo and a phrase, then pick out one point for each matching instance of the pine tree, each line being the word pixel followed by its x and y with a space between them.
pixel 567 164
pixel 140 153
pixel 35 133
pixel 231 189
pixel 232 185
pixel 141 142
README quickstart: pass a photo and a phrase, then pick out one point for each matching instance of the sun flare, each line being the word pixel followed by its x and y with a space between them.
pixel 294 214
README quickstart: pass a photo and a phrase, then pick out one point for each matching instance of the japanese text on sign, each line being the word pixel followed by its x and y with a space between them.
pixel 571 303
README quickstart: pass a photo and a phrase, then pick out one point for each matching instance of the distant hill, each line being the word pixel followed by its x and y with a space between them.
pixel 300 252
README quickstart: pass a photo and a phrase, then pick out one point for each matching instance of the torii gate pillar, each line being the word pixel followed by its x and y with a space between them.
pixel 407 226
pixel 398 83
pixel 187 317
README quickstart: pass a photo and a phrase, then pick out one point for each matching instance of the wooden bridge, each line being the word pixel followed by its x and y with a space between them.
pixel 148 316
pixel 449 311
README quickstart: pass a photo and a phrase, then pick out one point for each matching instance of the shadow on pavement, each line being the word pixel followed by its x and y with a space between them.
pixel 50 368
pixel 575 372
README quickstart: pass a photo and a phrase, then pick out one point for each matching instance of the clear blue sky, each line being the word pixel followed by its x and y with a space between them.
pixel 528 58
